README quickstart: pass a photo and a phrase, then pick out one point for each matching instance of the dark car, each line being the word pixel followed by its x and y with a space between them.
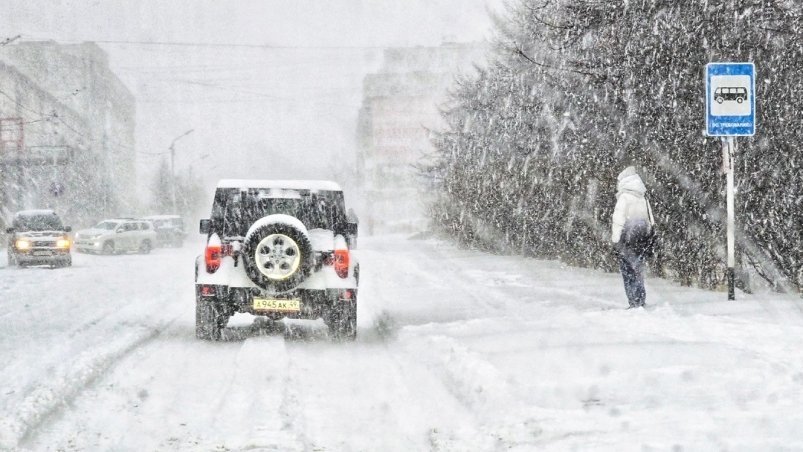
pixel 169 229
pixel 38 237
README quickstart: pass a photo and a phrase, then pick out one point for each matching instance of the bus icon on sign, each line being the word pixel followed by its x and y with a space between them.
pixel 734 93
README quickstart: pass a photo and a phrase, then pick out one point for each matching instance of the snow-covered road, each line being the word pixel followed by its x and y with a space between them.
pixel 457 350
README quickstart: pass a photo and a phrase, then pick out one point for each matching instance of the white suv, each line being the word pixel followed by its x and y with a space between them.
pixel 277 249
pixel 116 236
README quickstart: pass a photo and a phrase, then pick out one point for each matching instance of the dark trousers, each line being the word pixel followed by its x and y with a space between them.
pixel 632 268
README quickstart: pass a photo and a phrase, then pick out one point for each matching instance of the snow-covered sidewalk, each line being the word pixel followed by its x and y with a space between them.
pixel 458 350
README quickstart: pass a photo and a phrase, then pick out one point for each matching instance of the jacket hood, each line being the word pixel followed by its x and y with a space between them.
pixel 630 181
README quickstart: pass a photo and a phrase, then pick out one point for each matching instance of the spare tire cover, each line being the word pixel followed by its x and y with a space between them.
pixel 277 253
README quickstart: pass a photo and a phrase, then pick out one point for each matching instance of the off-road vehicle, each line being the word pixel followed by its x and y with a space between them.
pixel 120 235
pixel 38 237
pixel 277 249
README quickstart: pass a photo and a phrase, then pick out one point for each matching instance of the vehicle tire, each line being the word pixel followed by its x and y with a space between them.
pixel 277 256
pixel 108 247
pixel 145 247
pixel 342 320
pixel 208 320
pixel 739 100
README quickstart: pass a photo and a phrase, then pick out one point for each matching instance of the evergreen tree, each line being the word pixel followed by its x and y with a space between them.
pixel 579 89
pixel 161 201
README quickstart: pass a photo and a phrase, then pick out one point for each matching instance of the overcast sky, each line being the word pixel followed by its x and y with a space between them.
pixel 271 87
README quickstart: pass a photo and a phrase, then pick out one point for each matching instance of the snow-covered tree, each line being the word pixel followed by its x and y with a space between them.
pixel 161 201
pixel 579 89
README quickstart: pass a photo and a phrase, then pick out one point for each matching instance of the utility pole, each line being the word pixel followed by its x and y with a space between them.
pixel 173 168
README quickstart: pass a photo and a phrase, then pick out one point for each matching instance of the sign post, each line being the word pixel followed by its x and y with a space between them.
pixel 730 111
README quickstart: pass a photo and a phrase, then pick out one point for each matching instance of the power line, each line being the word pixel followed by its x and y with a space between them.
pixel 239 45
pixel 10 40
pixel 219 44
pixel 54 115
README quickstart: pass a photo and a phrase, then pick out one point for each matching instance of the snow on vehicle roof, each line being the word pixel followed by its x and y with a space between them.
pixel 277 219
pixel 161 217
pixel 117 220
pixel 34 212
pixel 314 185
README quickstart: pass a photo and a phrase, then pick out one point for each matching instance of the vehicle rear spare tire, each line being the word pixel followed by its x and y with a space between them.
pixel 277 256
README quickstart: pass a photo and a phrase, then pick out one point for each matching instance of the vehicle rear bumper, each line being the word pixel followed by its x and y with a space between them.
pixel 313 303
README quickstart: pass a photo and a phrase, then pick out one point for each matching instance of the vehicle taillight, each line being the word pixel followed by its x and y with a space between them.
pixel 207 291
pixel 213 257
pixel 342 263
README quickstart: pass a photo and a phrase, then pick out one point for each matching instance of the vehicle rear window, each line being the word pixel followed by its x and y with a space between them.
pixel 110 225
pixel 234 211
pixel 38 223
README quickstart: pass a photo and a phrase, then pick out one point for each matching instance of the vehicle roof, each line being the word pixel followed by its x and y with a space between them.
pixel 314 185
pixel 33 212
pixel 161 217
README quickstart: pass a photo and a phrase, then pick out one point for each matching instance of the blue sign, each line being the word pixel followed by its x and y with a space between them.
pixel 730 105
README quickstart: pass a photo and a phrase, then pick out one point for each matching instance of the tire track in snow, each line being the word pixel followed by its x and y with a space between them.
pixel 419 275
pixel 291 408
pixel 46 401
pixel 256 402
pixel 502 419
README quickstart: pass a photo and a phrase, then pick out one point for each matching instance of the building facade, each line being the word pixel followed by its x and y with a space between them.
pixel 78 125
pixel 400 109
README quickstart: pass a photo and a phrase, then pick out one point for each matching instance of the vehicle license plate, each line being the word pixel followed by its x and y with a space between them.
pixel 41 253
pixel 269 304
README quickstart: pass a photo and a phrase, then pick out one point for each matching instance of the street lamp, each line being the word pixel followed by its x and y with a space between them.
pixel 173 167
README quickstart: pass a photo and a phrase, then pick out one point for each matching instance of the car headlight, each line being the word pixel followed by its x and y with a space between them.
pixel 22 244
pixel 63 243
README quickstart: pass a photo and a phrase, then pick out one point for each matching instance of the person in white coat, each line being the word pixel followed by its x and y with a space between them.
pixel 632 226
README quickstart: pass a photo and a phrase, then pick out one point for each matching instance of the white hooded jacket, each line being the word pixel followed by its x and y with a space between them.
pixel 630 202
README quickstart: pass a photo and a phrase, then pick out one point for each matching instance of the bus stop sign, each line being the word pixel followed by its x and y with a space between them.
pixel 730 100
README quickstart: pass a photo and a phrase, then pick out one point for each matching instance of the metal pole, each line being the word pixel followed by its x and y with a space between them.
pixel 173 167
pixel 173 177
pixel 731 143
